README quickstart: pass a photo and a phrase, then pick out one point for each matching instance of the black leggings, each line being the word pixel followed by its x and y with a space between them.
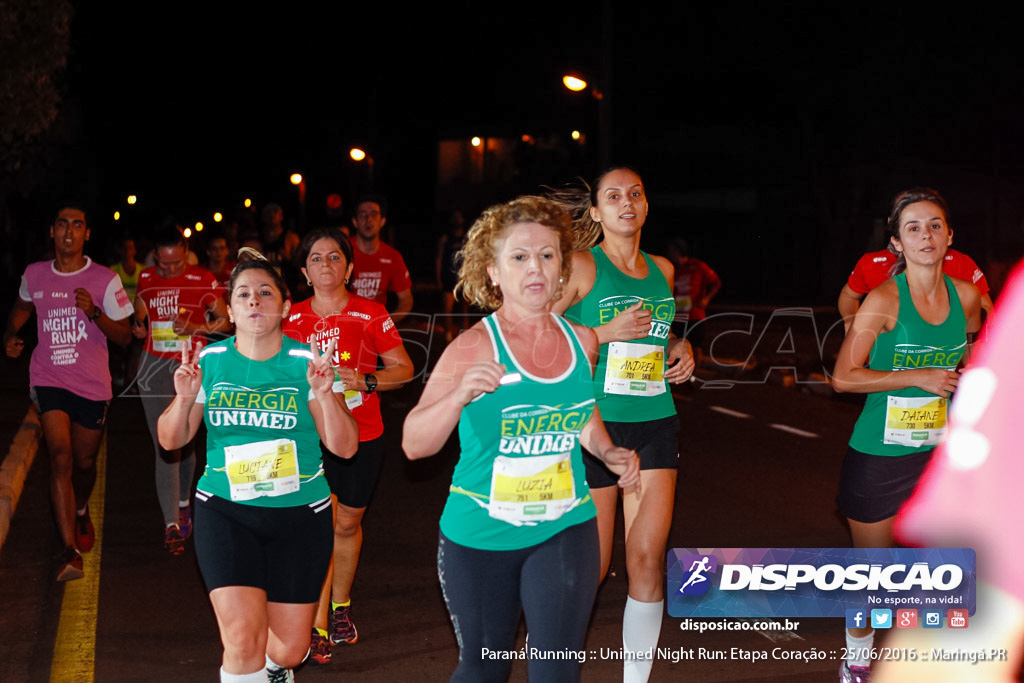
pixel 554 583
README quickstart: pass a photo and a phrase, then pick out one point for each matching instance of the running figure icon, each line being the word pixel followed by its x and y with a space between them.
pixel 696 570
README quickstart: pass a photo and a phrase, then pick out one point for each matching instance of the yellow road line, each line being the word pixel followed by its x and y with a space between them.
pixel 74 653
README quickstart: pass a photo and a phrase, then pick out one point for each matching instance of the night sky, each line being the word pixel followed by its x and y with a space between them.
pixel 820 114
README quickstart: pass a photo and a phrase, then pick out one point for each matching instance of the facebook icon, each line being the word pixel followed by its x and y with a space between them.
pixel 855 618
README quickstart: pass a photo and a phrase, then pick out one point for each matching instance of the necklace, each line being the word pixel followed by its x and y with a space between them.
pixel 322 324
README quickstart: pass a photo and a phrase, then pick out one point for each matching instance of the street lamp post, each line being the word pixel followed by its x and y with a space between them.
pixel 602 90
pixel 360 155
pixel 577 84
pixel 300 182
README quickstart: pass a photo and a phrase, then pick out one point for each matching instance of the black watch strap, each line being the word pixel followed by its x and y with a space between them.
pixel 371 383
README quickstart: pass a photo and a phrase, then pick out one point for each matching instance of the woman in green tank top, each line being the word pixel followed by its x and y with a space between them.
pixel 903 349
pixel 518 531
pixel 265 550
pixel 625 296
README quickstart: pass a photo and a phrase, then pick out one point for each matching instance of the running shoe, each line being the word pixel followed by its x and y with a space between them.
pixel 174 542
pixel 71 566
pixel 854 674
pixel 185 520
pixel 85 532
pixel 280 675
pixel 342 628
pixel 320 647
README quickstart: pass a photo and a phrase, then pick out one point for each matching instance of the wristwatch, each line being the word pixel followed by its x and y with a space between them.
pixel 96 313
pixel 371 383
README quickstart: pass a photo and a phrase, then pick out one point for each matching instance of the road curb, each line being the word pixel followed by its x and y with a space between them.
pixel 15 466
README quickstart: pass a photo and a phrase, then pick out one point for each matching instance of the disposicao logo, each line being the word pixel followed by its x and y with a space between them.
pixel 817 582
pixel 696 581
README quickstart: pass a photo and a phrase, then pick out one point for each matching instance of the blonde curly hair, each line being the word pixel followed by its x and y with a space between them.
pixel 486 236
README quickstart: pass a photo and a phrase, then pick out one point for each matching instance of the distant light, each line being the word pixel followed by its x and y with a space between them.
pixel 528 139
pixel 334 201
pixel 573 83
pixel 218 217
pixel 188 232
pixel 357 154
pixel 296 178
pixel 476 142
pixel 117 215
pixel 576 135
pixel 199 226
pixel 132 199
pixel 247 203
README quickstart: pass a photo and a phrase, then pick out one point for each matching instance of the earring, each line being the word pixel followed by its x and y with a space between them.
pixel 346 281
pixel 309 283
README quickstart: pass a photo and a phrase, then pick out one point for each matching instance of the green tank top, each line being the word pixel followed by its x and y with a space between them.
pixel 520 478
pixel 628 379
pixel 911 420
pixel 262 445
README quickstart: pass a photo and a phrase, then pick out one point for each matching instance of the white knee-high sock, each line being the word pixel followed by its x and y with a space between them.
pixel 641 628
pixel 255 677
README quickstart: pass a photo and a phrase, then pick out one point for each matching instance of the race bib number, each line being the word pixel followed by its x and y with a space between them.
pixel 264 468
pixel 164 337
pixel 537 488
pixel 634 369
pixel 915 421
pixel 353 397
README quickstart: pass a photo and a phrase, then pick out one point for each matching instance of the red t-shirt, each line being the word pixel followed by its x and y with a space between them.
pixel 364 330
pixel 872 269
pixel 374 275
pixel 224 274
pixel 970 495
pixel 693 279
pixel 187 296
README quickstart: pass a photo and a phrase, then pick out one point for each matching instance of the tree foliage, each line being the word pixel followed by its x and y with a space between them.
pixel 34 46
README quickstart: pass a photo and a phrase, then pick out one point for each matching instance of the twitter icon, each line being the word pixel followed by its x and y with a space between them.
pixel 881 618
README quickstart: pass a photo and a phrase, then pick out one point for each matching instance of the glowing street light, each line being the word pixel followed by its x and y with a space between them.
pixel 574 83
pixel 132 199
pixel 217 216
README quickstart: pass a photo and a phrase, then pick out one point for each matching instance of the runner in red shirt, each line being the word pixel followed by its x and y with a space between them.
pixel 695 285
pixel 378 267
pixel 363 331
pixel 182 303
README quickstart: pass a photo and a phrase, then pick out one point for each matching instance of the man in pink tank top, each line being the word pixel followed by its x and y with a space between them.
pixel 79 305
